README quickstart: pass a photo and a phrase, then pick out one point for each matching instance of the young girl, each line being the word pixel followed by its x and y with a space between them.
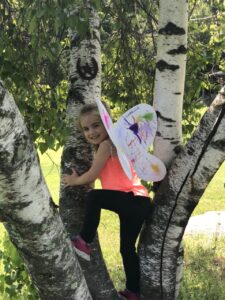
pixel 128 198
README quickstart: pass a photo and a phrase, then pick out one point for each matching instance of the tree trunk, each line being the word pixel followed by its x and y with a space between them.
pixel 169 87
pixel 30 217
pixel 175 200
pixel 170 77
pixel 85 87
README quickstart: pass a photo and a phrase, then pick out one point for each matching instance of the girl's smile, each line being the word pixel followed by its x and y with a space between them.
pixel 94 130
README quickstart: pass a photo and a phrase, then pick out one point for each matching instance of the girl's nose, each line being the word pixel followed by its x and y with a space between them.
pixel 91 131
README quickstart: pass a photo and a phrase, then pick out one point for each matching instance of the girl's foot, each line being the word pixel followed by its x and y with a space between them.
pixel 81 247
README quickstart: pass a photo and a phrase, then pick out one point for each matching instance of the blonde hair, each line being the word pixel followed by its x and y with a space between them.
pixel 92 107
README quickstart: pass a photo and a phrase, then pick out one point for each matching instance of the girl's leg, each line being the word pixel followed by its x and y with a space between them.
pixel 96 200
pixel 131 222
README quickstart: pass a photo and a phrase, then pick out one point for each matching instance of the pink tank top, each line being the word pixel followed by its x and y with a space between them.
pixel 112 177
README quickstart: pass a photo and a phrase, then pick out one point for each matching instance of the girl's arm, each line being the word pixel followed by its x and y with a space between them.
pixel 101 156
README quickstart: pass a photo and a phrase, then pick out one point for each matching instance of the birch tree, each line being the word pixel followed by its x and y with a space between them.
pixel 179 193
pixel 169 93
pixel 85 87
pixel 29 215
pixel 160 243
pixel 170 77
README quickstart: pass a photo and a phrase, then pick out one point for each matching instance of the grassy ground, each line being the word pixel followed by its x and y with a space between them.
pixel 213 197
pixel 204 271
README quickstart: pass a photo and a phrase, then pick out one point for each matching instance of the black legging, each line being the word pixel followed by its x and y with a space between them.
pixel 132 211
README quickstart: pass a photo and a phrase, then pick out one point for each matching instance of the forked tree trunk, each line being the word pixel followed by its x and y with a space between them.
pixel 32 221
pixel 85 87
pixel 175 200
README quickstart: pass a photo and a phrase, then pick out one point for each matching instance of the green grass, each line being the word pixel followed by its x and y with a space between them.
pixel 213 197
pixel 204 269
pixel 204 259
pixel 50 164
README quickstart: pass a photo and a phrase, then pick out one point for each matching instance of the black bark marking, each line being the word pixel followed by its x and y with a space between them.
pixel 180 50
pixel 87 71
pixel 161 65
pixel 170 139
pixel 159 115
pixel 7 114
pixel 52 203
pixel 171 29
pixel 21 143
pixel 2 216
pixel 219 145
pixel 177 93
pixel 175 142
pixel 189 206
pixel 2 91
pixel 74 94
pixel 73 79
pixel 75 41
pixel 190 151
pixel 178 149
pixel 15 205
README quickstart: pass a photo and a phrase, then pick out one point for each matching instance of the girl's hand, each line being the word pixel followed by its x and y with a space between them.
pixel 69 180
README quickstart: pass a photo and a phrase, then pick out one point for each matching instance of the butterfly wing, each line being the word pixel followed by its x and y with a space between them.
pixel 135 130
pixel 149 167
pixel 137 127
pixel 107 122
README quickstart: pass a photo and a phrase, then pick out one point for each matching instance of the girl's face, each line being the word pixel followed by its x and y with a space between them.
pixel 94 130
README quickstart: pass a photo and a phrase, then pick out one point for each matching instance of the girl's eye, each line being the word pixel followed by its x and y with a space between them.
pixel 85 129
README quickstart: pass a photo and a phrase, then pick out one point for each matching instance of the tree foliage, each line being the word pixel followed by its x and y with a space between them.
pixel 206 58
pixel 15 282
pixel 128 47
pixel 34 57
pixel 34 38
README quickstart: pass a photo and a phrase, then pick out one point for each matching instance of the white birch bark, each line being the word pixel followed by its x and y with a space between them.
pixel 85 87
pixel 30 217
pixel 170 77
pixel 175 200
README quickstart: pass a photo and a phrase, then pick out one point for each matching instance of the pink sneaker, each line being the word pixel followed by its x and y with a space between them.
pixel 127 295
pixel 81 247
